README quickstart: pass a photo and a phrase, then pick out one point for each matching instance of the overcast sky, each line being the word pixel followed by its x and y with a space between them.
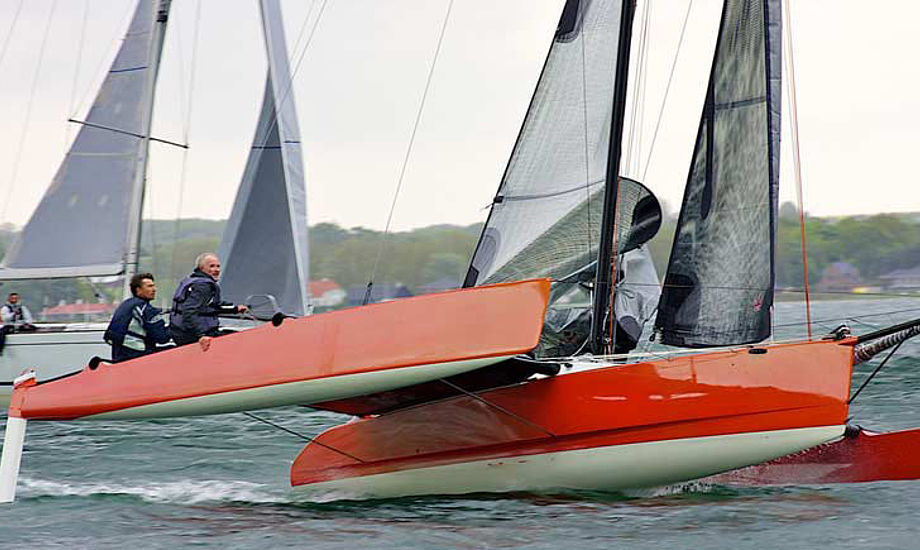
pixel 359 84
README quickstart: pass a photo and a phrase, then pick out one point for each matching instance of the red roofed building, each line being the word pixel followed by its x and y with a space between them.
pixel 326 293
pixel 78 312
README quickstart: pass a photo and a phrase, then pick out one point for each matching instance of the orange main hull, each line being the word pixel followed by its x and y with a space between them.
pixel 453 327
pixel 779 387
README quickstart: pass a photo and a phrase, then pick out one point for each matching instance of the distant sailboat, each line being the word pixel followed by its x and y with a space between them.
pixel 89 221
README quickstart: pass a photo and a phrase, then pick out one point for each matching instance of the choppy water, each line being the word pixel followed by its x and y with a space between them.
pixel 222 482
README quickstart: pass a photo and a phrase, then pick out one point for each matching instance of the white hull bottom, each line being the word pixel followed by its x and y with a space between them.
pixel 304 392
pixel 613 468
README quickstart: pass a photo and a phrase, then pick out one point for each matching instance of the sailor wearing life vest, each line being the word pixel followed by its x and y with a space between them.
pixel 197 303
pixel 15 314
pixel 137 326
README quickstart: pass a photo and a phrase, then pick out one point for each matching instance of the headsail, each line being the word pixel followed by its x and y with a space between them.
pixel 546 217
pixel 265 244
pixel 559 163
pixel 82 225
pixel 719 284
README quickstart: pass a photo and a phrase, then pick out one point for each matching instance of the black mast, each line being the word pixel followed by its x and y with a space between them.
pixel 602 287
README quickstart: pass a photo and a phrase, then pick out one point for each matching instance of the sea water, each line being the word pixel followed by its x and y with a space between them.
pixel 223 482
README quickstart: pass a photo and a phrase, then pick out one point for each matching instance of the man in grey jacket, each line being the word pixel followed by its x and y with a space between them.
pixel 197 303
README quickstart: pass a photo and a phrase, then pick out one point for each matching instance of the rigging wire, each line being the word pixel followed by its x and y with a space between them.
pixel 584 99
pixel 667 90
pixel 186 131
pixel 301 436
pixel 17 158
pixel 637 109
pixel 876 371
pixel 68 129
pixel 643 86
pixel 796 153
pixel 755 288
pixel 101 69
pixel 498 407
pixel 290 83
pixel 9 34
pixel 405 163
pixel 303 27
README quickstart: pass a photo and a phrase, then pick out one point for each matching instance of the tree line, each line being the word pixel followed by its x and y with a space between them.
pixel 875 245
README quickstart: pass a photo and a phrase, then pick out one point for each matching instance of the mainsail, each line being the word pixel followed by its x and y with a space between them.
pixel 265 244
pixel 87 221
pixel 719 284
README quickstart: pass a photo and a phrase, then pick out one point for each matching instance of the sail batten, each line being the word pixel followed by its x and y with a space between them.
pixel 719 286
pixel 80 226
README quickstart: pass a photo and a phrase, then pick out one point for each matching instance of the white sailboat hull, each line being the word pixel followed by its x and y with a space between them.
pixel 609 468
pixel 64 349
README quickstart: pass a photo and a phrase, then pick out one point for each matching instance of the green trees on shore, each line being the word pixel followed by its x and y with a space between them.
pixel 875 245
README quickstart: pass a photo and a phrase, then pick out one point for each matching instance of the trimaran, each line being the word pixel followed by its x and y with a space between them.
pixel 447 402
pixel 89 221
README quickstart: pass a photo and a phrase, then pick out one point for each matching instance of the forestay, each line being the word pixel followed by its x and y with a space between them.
pixel 82 225
pixel 265 247
pixel 719 284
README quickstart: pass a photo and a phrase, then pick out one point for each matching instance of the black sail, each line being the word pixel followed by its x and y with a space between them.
pixel 719 285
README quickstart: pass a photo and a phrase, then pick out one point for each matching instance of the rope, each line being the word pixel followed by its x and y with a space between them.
pixel 300 435
pixel 405 163
pixel 25 127
pixel 664 100
pixel 796 154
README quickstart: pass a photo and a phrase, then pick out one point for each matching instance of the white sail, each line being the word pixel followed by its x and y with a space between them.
pixel 264 246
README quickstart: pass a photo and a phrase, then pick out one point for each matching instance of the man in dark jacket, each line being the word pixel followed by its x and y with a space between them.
pixel 197 303
pixel 137 326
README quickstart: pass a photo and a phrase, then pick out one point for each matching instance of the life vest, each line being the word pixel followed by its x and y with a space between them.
pixel 181 316
pixel 127 327
pixel 15 310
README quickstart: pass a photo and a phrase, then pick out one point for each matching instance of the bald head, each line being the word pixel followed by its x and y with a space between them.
pixel 209 263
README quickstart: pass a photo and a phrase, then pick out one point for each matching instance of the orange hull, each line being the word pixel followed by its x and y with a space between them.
pixel 779 387
pixel 456 327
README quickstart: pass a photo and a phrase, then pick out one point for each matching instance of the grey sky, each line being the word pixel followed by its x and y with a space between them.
pixel 360 82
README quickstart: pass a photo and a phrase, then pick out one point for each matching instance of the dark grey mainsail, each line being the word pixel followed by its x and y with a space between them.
pixel 86 224
pixel 719 284
pixel 265 243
